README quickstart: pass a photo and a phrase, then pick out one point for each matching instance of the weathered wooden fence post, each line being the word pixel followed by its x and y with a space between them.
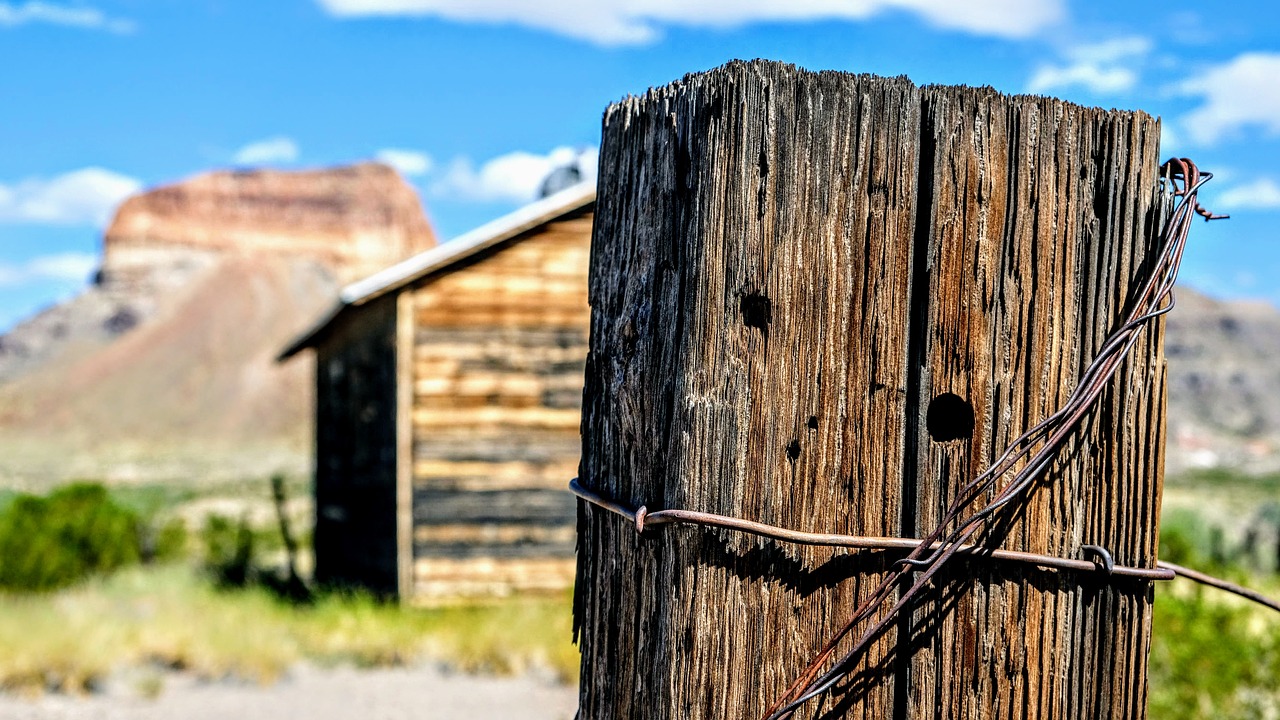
pixel 825 301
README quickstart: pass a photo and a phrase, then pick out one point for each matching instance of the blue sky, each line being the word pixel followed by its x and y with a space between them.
pixel 475 99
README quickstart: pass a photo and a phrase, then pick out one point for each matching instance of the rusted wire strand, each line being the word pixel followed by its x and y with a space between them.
pixel 1219 583
pixel 1035 450
pixel 1155 298
pixel 642 519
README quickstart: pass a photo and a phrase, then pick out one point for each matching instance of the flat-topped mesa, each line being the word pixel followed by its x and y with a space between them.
pixel 354 219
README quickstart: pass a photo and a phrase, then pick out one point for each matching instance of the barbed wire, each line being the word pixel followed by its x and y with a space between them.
pixel 1154 299
pixel 1036 449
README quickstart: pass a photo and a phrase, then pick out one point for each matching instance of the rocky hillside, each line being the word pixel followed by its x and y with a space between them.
pixel 164 368
pixel 1224 383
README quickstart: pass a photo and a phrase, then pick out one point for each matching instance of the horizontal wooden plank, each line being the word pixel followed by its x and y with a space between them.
pixel 482 382
pixel 465 402
pixel 508 390
pixel 479 341
pixel 535 446
pixel 478 475
pixel 470 285
pixel 494 534
pixel 438 579
pixel 532 507
pixel 496 551
pixel 504 315
pixel 426 419
pixel 479 383
pixel 570 362
pixel 558 256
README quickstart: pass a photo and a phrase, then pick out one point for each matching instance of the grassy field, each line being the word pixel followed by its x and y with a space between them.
pixel 171 617
pixel 1212 655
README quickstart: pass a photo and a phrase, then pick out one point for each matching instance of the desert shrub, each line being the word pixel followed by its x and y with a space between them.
pixel 1184 538
pixel 228 549
pixel 168 541
pixel 1212 659
pixel 55 541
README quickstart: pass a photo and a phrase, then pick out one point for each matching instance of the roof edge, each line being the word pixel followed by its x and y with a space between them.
pixel 441 256
pixel 469 243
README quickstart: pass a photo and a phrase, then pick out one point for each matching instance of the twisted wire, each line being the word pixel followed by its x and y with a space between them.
pixel 1154 299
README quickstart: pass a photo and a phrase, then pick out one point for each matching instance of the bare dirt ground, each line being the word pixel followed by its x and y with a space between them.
pixel 419 693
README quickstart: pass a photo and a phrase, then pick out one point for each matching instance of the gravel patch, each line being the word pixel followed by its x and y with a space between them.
pixel 417 693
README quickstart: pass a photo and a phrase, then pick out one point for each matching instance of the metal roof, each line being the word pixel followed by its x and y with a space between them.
pixel 442 256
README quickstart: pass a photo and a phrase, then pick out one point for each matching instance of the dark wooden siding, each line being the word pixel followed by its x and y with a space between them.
pixel 355 531
pixel 500 347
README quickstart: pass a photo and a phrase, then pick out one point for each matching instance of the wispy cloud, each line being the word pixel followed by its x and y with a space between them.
pixel 1236 95
pixel 86 196
pixel 1105 68
pixel 514 177
pixel 635 22
pixel 410 163
pixel 80 16
pixel 1261 194
pixel 278 149
pixel 68 267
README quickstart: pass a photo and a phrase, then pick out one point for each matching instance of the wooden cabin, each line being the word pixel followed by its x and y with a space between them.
pixel 448 402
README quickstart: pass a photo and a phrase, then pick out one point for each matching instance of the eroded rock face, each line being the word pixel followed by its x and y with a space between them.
pixel 355 220
pixel 166 365
pixel 1224 383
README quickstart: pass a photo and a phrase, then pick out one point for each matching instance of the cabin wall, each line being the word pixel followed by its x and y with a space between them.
pixel 355 480
pixel 500 346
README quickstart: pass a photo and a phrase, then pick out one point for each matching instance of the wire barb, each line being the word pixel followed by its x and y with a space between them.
pixel 1031 454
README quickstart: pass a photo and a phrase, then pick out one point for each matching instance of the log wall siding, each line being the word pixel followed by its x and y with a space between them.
pixel 355 483
pixel 500 345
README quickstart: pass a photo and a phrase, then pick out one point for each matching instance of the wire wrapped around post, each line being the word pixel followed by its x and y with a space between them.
pixel 1038 447
pixel 1025 461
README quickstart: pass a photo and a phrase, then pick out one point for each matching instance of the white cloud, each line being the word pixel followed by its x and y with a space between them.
pixel 1262 194
pixel 1242 93
pixel 68 267
pixel 514 177
pixel 271 150
pixel 410 163
pixel 13 15
pixel 1103 68
pixel 630 22
pixel 86 196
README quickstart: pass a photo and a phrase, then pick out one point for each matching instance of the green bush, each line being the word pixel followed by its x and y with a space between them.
pixel 1212 659
pixel 228 550
pixel 55 541
pixel 1184 538
pixel 168 541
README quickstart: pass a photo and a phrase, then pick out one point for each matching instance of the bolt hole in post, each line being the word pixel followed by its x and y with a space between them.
pixel 757 311
pixel 950 417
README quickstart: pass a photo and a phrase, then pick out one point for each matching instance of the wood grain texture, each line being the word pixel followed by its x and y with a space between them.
pixel 1040 216
pixel 500 345
pixel 404 445
pixel 450 580
pixel 788 268
pixel 749 294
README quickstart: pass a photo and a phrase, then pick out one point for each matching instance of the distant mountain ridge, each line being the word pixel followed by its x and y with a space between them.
pixel 165 366
pixel 1224 383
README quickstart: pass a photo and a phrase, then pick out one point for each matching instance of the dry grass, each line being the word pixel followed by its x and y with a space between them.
pixel 168 617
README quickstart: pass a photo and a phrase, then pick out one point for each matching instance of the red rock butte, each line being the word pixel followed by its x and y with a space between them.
pixel 165 367
pixel 355 219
